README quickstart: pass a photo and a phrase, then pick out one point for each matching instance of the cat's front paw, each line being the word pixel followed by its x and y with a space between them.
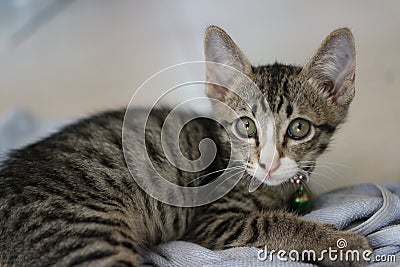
pixel 345 248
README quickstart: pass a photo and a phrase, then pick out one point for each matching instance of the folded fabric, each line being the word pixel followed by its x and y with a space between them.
pixel 368 209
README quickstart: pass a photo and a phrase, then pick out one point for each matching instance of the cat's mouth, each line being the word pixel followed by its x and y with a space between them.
pixel 292 174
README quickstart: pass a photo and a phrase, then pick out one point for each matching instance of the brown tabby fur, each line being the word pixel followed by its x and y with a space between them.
pixel 70 200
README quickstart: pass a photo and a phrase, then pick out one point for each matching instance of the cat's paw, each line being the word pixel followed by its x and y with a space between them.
pixel 345 248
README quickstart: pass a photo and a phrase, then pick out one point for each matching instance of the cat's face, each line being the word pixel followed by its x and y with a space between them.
pixel 307 105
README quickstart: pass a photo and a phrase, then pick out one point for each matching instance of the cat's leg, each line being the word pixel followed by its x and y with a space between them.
pixel 275 230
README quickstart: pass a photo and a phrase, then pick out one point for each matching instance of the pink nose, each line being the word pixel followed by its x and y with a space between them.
pixel 271 166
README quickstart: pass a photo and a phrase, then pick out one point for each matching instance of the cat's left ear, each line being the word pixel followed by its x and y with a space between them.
pixel 220 48
pixel 332 68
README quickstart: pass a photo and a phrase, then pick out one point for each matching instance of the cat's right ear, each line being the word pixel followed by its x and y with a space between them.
pixel 331 70
pixel 220 48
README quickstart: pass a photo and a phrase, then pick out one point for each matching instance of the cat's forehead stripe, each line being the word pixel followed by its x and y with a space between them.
pixel 279 104
pixel 289 110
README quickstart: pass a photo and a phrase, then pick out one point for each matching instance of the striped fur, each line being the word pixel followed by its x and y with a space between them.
pixel 70 200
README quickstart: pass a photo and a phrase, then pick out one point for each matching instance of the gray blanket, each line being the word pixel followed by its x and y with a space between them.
pixel 372 210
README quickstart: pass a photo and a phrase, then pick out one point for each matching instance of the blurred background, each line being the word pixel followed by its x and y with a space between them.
pixel 63 59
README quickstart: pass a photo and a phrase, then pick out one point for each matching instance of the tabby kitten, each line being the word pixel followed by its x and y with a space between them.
pixel 70 199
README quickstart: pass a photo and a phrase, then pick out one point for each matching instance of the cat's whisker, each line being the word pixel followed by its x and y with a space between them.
pixel 306 166
pixel 214 172
pixel 317 178
pixel 321 185
pixel 322 175
pixel 336 164
pixel 324 183
pixel 321 163
pixel 318 173
pixel 327 176
pixel 204 176
pixel 333 171
pixel 323 167
pixel 225 179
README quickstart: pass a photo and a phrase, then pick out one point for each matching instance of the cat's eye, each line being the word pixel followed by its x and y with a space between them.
pixel 246 127
pixel 298 128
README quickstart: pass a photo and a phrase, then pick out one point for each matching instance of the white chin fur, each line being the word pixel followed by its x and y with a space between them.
pixel 286 170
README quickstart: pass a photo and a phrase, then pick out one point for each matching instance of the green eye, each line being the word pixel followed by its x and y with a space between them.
pixel 246 127
pixel 298 128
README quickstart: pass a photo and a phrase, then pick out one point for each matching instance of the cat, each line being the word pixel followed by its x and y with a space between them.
pixel 70 199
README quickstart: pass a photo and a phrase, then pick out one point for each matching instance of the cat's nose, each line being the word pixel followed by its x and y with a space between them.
pixel 269 159
pixel 274 166
pixel 271 167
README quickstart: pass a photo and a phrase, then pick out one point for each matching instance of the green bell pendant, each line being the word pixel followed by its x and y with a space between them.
pixel 301 200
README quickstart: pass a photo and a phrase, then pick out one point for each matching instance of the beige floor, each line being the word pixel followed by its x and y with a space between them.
pixel 92 55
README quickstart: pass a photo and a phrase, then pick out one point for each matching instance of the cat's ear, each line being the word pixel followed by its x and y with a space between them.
pixel 332 68
pixel 220 48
